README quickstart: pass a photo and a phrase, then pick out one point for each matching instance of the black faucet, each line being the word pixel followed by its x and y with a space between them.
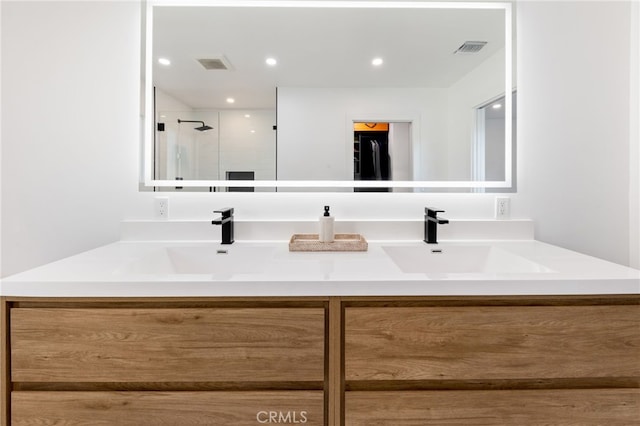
pixel 226 220
pixel 431 222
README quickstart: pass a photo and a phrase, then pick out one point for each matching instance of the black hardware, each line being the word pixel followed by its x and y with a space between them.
pixel 202 128
pixel 431 222
pixel 226 220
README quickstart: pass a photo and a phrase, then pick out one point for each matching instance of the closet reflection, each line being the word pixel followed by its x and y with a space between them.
pixel 382 152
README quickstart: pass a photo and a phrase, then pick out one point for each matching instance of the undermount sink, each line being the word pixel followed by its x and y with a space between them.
pixel 217 260
pixel 460 259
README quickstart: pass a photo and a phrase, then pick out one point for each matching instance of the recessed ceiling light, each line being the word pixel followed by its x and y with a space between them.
pixel 164 61
pixel 377 62
pixel 496 106
pixel 271 62
pixel 230 100
pixel 247 116
pixel 253 131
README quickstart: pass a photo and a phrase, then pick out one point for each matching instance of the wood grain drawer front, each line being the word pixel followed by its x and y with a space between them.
pixel 492 343
pixel 167 408
pixel 174 345
pixel 505 408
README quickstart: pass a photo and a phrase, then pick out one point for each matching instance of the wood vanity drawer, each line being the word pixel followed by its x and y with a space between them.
pixel 167 408
pixel 492 342
pixel 167 345
pixel 582 407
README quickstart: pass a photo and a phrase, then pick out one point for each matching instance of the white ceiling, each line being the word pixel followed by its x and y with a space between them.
pixel 316 47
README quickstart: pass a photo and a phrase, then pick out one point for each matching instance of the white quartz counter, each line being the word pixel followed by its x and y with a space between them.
pixel 196 269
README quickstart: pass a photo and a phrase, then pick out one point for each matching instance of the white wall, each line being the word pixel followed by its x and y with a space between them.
pixel 315 128
pixel 70 125
pixel 314 124
pixel 574 123
pixel 1 116
pixel 70 130
pixel 248 143
pixel 483 84
pixel 400 152
pixel 494 149
pixel 634 131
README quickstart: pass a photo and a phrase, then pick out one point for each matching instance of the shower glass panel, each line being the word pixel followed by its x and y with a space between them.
pixel 185 149
pixel 248 142
pixel 206 144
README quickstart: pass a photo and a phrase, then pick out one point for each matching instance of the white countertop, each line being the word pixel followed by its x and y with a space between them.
pixel 145 269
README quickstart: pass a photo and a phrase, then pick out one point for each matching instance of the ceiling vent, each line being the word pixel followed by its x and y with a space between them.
pixel 471 47
pixel 219 63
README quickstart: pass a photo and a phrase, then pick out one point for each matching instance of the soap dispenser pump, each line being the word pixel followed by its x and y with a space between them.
pixel 325 234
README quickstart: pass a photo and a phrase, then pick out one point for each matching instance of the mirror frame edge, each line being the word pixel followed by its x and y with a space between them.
pixel 149 183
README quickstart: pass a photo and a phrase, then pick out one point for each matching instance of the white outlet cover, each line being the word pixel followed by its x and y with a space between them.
pixel 161 208
pixel 503 207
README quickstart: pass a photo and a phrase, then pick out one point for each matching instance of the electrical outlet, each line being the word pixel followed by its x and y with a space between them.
pixel 161 207
pixel 503 207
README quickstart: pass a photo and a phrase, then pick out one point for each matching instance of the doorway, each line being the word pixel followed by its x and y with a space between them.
pixel 381 152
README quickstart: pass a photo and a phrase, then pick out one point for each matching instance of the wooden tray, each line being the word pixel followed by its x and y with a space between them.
pixel 341 242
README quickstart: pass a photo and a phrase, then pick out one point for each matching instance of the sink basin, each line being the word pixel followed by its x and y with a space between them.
pixel 217 260
pixel 460 259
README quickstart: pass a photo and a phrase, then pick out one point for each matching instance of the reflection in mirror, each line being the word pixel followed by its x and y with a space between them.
pixel 433 67
pixel 489 139
pixel 202 144
pixel 381 152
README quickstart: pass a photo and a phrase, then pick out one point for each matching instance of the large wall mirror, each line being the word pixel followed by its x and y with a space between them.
pixel 328 95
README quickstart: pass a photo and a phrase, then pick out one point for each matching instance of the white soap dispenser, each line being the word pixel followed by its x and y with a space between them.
pixel 325 234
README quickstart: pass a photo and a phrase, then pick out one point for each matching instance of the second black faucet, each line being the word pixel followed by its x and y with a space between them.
pixel 431 222
pixel 226 220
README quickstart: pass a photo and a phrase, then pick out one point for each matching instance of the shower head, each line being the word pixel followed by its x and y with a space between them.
pixel 199 128
pixel 203 128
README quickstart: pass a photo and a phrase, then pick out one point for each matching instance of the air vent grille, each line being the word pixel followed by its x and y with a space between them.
pixel 471 47
pixel 214 63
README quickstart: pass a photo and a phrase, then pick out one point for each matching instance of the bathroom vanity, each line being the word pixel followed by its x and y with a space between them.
pixel 495 332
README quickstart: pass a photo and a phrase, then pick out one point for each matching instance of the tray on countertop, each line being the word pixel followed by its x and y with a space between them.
pixel 341 242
